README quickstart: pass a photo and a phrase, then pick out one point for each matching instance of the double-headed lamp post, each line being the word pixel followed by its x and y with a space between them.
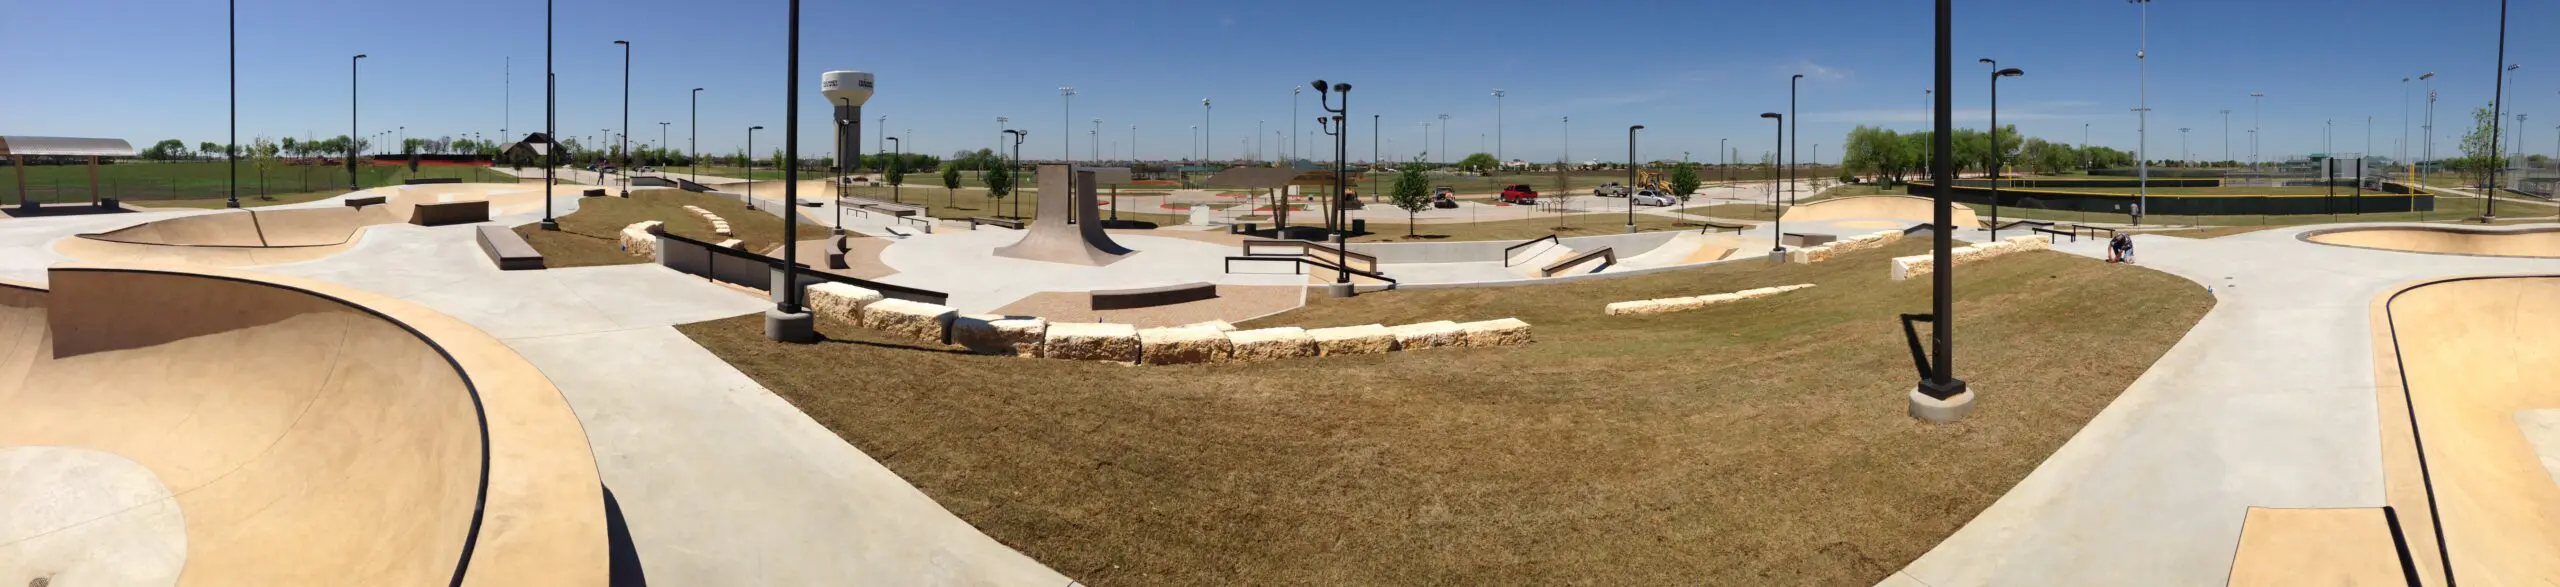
pixel 895 146
pixel 1631 177
pixel 1777 238
pixel 1996 74
pixel 352 137
pixel 1338 126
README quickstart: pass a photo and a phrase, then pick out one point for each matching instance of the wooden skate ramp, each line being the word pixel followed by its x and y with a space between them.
pixel 2543 242
pixel 302 434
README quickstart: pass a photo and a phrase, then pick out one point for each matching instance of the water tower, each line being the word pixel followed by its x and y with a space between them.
pixel 846 90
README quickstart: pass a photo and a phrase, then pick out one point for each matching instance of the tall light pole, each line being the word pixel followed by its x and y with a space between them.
pixel 786 322
pixel 1631 177
pixel 1339 128
pixel 662 133
pixel 2403 151
pixel 879 145
pixel 1940 396
pixel 692 140
pixel 2086 160
pixel 1792 138
pixel 1294 91
pixel 2257 114
pixel 231 152
pixel 352 136
pixel 1721 161
pixel 894 163
pixel 2226 134
pixel 2497 110
pixel 626 117
pixel 1444 137
pixel 1002 123
pixel 550 121
pixel 750 164
pixel 2427 148
pixel 1013 172
pixel 1205 145
pixel 2184 156
pixel 1095 136
pixel 1497 125
pixel 1996 74
pixel 2142 149
pixel 1777 238
pixel 1066 124
pixel 1426 140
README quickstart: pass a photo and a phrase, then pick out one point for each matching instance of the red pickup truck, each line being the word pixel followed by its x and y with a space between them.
pixel 1519 194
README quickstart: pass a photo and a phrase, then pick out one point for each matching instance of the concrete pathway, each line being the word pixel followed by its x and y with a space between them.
pixel 2267 402
pixel 722 482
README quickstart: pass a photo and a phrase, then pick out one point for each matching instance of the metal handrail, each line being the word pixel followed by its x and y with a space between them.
pixel 1550 270
pixel 885 289
pixel 1506 251
pixel 1300 264
pixel 1305 247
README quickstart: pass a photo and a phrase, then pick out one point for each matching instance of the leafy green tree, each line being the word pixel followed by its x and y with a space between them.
pixel 950 184
pixel 897 172
pixel 1000 185
pixel 208 148
pixel 2480 151
pixel 1880 152
pixel 1684 181
pixel 1412 192
pixel 1480 162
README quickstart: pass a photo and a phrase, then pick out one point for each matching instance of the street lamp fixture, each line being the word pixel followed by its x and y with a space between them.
pixel 625 168
pixel 1995 140
pixel 352 136
pixel 1631 177
pixel 1338 127
pixel 1777 238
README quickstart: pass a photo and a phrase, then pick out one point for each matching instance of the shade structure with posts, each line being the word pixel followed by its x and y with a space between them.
pixel 18 149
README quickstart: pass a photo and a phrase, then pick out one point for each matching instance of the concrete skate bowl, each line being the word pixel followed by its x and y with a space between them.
pixel 268 237
pixel 2445 240
pixel 199 426
pixel 1863 212
pixel 2471 426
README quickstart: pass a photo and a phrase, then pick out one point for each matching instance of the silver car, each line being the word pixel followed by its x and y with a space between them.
pixel 1650 197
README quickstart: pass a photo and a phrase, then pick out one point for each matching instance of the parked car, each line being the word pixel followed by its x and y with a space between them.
pixel 1444 192
pixel 1519 194
pixel 1610 190
pixel 1649 197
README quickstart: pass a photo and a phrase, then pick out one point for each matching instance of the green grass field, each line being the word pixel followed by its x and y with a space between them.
pixel 144 182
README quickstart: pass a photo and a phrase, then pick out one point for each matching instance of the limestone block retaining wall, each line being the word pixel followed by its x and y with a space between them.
pixel 1087 341
pixel 1428 335
pixel 1502 332
pixel 1824 252
pixel 719 225
pixel 1919 265
pixel 1181 345
pixel 1286 342
pixel 917 320
pixel 1667 305
pixel 841 302
pixel 998 334
pixel 640 239
pixel 1366 339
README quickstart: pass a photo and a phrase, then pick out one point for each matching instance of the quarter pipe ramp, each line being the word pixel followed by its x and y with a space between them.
pixel 208 427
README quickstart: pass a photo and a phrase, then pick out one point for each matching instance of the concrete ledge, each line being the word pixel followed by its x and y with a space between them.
pixel 732 244
pixel 508 249
pixel 1148 297
pixel 1182 345
pixel 1218 325
pixel 1091 342
pixel 998 334
pixel 1919 265
pixel 1428 335
pixel 841 302
pixel 916 320
pixel 1366 339
pixel 444 213
pixel 1286 342
pixel 1502 332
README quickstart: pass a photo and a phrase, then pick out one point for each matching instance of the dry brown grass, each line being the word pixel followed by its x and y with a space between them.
pixel 1759 443
pixel 590 236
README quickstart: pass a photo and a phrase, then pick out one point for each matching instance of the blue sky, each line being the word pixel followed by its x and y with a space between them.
pixel 1691 72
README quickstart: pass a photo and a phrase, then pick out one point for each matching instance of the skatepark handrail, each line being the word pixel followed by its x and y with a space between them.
pixel 885 289
pixel 1608 253
pixel 1310 249
pixel 1301 262
pixel 1507 251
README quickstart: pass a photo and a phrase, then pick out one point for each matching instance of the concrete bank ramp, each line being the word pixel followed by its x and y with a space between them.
pixel 2475 356
pixel 1687 249
pixel 193 426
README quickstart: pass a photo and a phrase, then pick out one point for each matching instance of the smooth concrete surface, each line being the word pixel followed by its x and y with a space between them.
pixel 2474 354
pixel 364 441
pixel 965 265
pixel 2543 242
pixel 725 483
pixel 2267 402
pixel 1628 245
pixel 2345 547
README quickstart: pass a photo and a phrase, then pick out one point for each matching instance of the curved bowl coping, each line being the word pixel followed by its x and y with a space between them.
pixel 289 219
pixel 538 516
pixel 2312 236
pixel 2489 476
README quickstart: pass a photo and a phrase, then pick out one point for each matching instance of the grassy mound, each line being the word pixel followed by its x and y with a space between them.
pixel 1756 443
pixel 590 235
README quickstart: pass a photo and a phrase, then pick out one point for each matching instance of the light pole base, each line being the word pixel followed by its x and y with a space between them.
pixel 1631 229
pixel 1340 290
pixel 551 224
pixel 1778 256
pixel 1940 411
pixel 793 327
pixel 231 204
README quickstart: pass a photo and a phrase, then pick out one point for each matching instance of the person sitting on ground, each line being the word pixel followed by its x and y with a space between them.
pixel 2120 249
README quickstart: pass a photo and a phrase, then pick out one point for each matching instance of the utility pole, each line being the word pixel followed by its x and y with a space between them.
pixel 1497 125
pixel 2142 150
pixel 2226 134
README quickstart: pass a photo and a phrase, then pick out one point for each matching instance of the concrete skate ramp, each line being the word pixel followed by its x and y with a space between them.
pixel 1068 228
pixel 211 427
pixel 2469 453
pixel 267 237
pixel 1686 249
pixel 2538 242
pixel 1907 210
